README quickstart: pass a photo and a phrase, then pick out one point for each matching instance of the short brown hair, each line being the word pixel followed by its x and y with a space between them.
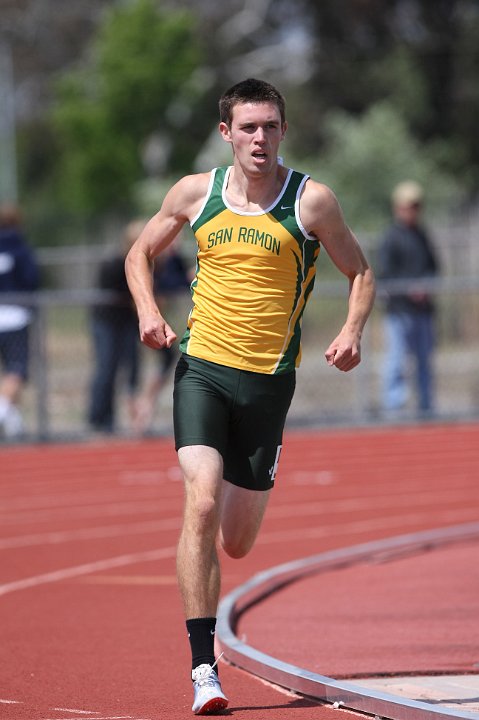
pixel 252 91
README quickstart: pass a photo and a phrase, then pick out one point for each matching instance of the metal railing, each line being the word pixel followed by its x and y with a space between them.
pixel 55 399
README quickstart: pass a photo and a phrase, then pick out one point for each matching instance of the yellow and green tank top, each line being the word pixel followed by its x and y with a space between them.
pixel 254 274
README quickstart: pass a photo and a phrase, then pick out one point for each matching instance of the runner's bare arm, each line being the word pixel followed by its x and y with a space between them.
pixel 322 216
pixel 180 205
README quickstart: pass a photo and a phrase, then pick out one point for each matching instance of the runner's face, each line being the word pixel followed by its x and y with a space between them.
pixel 255 134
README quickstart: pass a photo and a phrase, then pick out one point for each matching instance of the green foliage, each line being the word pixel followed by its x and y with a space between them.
pixel 106 111
pixel 143 59
pixel 365 157
pixel 137 110
pixel 398 78
pixel 419 55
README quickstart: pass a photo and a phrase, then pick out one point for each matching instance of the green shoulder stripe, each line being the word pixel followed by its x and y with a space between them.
pixel 283 212
pixel 214 202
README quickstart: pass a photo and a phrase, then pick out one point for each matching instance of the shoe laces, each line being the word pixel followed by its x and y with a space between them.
pixel 206 674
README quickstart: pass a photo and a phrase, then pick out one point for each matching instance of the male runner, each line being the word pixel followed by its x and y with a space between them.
pixel 259 228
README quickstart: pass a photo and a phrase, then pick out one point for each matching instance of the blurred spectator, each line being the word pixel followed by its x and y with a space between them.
pixel 18 273
pixel 170 276
pixel 115 340
pixel 406 253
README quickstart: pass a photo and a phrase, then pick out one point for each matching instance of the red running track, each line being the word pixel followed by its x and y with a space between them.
pixel 91 620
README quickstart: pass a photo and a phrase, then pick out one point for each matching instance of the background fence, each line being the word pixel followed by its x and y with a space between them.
pixel 56 399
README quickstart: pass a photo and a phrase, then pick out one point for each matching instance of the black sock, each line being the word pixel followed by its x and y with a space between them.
pixel 201 633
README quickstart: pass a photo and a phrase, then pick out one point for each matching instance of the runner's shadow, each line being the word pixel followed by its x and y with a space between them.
pixel 298 702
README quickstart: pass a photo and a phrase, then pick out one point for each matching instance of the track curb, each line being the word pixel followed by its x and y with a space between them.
pixel 339 693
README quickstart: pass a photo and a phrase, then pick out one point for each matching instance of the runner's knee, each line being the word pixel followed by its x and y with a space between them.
pixel 236 548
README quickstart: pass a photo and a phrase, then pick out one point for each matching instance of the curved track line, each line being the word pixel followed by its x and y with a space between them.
pixel 77 570
pixel 319 686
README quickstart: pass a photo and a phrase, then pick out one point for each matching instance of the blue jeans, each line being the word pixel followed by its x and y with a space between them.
pixel 116 347
pixel 408 335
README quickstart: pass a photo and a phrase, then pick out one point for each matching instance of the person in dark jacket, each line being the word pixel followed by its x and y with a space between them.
pixel 406 254
pixel 115 341
pixel 19 273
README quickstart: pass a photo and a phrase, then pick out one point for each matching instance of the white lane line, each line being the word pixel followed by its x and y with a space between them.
pixel 107 531
pixel 54 498
pixel 75 571
pixel 378 502
pixel 174 523
pixel 111 531
pixel 76 711
pixel 127 507
pixel 365 526
pixel 266 538
pixel 81 714
pixel 316 508
pixel 79 498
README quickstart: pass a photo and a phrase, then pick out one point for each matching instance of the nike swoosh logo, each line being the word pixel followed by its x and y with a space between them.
pixel 287 207
pixel 212 632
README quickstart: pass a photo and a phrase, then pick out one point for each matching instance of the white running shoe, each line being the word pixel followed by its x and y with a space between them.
pixel 209 697
pixel 11 422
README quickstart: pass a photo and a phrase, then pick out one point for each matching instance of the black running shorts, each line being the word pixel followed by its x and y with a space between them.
pixel 240 413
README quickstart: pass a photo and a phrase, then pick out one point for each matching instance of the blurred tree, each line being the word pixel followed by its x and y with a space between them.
pixel 421 55
pixel 365 156
pixel 108 111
